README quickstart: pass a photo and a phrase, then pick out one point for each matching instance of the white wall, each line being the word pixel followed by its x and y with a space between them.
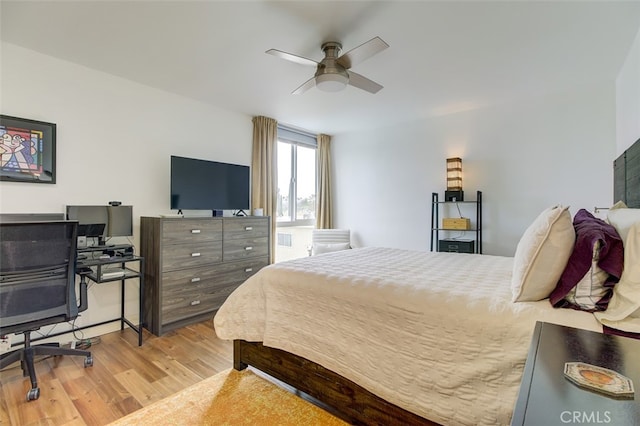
pixel 628 99
pixel 114 142
pixel 524 157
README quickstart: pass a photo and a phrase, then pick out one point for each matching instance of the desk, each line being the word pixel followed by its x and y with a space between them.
pixel 547 398
pixel 93 268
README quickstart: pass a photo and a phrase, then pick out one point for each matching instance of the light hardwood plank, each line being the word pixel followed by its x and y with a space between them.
pixel 124 377
pixel 143 391
pixel 177 372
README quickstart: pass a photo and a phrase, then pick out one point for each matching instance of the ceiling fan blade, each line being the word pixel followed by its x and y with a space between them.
pixel 362 82
pixel 305 86
pixel 291 57
pixel 362 52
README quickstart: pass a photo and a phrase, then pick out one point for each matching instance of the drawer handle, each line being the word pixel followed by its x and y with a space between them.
pixel 195 279
pixel 248 270
pixel 195 231
pixel 248 228
pixel 195 302
pixel 248 248
pixel 195 254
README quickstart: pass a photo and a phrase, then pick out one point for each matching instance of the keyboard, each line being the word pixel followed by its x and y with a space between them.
pixel 112 273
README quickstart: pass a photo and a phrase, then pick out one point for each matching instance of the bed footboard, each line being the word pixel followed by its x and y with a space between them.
pixel 352 402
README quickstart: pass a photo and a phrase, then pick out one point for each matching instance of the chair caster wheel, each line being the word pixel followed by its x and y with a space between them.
pixel 33 394
pixel 88 361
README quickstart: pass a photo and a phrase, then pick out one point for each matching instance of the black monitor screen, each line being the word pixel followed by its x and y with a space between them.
pixel 102 221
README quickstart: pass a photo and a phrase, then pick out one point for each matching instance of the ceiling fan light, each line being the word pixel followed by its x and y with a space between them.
pixel 331 82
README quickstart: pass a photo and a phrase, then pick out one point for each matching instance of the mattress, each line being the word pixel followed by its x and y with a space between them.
pixel 434 333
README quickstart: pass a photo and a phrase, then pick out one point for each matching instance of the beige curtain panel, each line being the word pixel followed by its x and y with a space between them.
pixel 264 171
pixel 324 208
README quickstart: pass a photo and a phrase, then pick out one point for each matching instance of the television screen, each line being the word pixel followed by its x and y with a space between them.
pixel 102 221
pixel 208 185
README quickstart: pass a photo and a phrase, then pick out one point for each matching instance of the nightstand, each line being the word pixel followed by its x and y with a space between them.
pixel 444 234
pixel 546 397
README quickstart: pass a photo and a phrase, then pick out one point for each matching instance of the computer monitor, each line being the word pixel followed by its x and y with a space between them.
pixel 102 221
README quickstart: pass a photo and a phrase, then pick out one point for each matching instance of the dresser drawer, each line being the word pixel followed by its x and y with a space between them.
pixel 238 271
pixel 179 305
pixel 181 256
pixel 180 230
pixel 235 228
pixel 457 246
pixel 213 275
pixel 245 248
pixel 189 278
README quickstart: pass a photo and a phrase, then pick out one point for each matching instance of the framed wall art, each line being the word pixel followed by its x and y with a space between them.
pixel 27 150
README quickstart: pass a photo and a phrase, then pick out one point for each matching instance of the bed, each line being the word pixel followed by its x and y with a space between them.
pixel 391 336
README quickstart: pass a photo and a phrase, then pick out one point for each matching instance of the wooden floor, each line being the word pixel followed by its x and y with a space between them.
pixel 123 378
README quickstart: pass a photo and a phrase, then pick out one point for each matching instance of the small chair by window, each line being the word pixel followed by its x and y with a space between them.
pixel 37 288
pixel 329 240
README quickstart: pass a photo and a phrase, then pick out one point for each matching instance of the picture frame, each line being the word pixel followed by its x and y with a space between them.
pixel 27 150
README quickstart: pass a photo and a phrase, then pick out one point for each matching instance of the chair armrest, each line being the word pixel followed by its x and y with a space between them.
pixel 83 294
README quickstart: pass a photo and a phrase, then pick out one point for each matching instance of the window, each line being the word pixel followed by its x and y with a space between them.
pixel 296 203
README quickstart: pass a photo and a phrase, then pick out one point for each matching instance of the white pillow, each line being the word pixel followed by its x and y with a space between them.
pixel 622 219
pixel 623 312
pixel 542 254
pixel 319 248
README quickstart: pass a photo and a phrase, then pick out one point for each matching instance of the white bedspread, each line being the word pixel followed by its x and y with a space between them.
pixel 434 333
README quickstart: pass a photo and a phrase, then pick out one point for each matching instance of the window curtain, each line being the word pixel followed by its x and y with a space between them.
pixel 264 172
pixel 324 208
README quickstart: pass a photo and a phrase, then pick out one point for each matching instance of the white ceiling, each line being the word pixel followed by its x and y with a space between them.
pixel 444 57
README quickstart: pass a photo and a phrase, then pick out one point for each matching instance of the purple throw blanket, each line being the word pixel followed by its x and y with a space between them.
pixel 589 230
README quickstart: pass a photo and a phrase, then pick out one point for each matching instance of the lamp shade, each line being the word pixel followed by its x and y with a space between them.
pixel 454 174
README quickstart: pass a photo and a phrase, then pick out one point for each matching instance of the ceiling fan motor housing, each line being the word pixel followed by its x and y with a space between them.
pixel 330 75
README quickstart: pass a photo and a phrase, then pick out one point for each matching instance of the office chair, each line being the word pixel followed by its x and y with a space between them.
pixel 37 288
pixel 328 240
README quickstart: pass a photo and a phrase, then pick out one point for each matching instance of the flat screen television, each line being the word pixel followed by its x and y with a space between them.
pixel 102 221
pixel 208 185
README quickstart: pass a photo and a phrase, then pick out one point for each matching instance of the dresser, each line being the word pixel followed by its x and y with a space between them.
pixel 193 264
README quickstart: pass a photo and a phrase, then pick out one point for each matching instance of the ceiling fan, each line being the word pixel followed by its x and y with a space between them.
pixel 333 73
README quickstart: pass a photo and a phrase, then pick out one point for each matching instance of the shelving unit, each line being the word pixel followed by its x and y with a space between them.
pixel 439 243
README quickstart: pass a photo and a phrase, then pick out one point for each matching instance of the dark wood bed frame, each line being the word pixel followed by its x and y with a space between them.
pixel 352 402
pixel 343 397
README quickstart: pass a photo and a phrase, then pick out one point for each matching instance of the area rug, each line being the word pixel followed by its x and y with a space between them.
pixel 231 398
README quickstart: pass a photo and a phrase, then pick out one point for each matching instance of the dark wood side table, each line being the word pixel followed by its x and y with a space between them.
pixel 547 398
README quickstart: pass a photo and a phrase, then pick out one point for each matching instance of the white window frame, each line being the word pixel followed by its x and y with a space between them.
pixel 297 138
